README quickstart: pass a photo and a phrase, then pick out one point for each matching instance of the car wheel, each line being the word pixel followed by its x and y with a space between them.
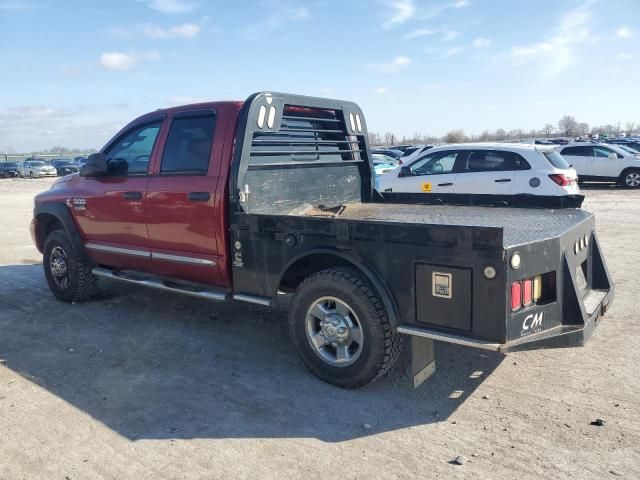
pixel 31 175
pixel 67 271
pixel 341 329
pixel 631 178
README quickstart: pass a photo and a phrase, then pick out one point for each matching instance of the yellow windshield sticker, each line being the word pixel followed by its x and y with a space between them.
pixel 426 186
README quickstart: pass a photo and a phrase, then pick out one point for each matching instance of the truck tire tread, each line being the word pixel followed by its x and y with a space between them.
pixel 390 340
pixel 84 283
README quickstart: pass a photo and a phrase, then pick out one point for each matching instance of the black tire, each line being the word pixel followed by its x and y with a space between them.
pixel 81 283
pixel 630 178
pixel 381 345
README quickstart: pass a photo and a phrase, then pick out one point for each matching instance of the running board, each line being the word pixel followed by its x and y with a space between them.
pixel 193 290
pixel 449 338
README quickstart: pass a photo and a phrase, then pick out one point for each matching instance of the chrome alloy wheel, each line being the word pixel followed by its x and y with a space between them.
pixel 632 179
pixel 334 331
pixel 58 267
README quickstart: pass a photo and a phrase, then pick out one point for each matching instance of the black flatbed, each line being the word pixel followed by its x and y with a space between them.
pixel 520 226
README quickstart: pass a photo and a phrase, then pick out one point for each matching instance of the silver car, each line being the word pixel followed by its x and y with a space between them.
pixel 37 168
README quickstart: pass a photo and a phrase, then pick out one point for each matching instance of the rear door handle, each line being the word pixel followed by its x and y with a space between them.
pixel 132 195
pixel 445 184
pixel 502 180
pixel 199 196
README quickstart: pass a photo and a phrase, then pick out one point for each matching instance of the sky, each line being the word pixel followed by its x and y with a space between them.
pixel 74 72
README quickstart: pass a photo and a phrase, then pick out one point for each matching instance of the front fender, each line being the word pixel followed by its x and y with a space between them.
pixel 44 214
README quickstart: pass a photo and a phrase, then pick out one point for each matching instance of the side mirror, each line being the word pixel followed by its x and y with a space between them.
pixel 96 166
pixel 613 156
pixel 405 172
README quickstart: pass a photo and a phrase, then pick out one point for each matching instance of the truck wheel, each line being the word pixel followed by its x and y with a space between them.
pixel 631 178
pixel 341 329
pixel 68 272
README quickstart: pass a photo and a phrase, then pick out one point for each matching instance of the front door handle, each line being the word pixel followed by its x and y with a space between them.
pixel 502 180
pixel 132 195
pixel 199 196
pixel 445 184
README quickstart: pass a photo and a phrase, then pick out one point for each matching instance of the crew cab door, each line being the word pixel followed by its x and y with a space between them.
pixel 111 210
pixel 183 211
pixel 488 172
pixel 431 173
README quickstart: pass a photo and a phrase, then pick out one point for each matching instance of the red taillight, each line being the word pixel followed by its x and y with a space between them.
pixel 516 295
pixel 562 179
pixel 527 292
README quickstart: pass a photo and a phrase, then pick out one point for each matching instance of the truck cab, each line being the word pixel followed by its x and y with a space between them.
pixel 274 196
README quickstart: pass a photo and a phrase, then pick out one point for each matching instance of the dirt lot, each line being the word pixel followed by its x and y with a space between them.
pixel 140 384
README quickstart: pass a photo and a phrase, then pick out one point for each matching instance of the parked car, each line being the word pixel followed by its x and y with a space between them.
pixel 414 152
pixel 64 166
pixel 383 163
pixel 9 169
pixel 485 169
pixel 603 162
pixel 390 152
pixel 37 168
pixel 250 222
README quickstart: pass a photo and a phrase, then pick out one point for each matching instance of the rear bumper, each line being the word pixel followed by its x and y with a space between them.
pixel 564 336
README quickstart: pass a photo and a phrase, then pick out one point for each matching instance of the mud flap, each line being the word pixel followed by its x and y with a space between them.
pixel 423 362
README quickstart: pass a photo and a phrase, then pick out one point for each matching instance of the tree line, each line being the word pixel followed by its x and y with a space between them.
pixel 567 126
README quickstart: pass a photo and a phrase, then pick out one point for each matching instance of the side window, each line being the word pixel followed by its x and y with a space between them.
pixel 188 146
pixel 130 154
pixel 582 151
pixel 604 152
pixel 494 161
pixel 435 163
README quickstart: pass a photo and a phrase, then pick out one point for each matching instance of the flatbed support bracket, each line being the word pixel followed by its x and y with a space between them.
pixel 423 362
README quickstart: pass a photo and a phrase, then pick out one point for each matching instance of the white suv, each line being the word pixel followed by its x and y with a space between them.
pixel 603 162
pixel 485 168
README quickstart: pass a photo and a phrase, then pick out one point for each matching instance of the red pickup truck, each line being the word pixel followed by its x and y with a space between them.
pixel 247 200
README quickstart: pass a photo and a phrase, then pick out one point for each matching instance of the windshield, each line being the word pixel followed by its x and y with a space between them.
pixel 556 160
pixel 633 151
pixel 9 165
pixel 37 164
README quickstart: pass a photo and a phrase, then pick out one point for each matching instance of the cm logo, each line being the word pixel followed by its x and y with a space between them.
pixel 533 322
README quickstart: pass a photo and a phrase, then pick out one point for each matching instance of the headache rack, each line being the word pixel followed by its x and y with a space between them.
pixel 299 150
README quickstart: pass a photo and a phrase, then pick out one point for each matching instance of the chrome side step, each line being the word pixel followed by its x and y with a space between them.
pixel 193 290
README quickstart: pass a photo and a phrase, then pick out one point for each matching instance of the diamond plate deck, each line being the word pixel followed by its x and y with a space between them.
pixel 520 226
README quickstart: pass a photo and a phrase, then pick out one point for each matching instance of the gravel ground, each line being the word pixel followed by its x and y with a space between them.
pixel 141 384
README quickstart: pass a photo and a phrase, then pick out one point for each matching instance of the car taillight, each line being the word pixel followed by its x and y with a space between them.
pixel 561 179
pixel 527 292
pixel 537 288
pixel 516 295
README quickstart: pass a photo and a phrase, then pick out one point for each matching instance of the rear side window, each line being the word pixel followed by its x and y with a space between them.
pixel 582 151
pixel 556 160
pixel 188 146
pixel 494 161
